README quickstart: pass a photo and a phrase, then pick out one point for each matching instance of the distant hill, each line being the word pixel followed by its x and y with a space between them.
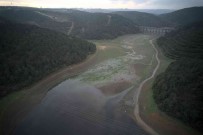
pixel 155 11
pixel 28 53
pixel 144 19
pixel 178 91
pixel 184 16
pixel 101 25
pixel 78 23
pixel 33 16
pixel 151 11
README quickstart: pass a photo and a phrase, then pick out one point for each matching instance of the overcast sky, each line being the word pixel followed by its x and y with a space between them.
pixel 130 4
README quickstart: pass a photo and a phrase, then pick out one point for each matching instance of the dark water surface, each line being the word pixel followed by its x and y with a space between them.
pixel 72 108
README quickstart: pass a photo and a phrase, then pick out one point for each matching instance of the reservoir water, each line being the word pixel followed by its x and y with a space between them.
pixel 74 108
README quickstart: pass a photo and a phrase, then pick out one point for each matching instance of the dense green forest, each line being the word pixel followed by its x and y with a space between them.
pixel 178 91
pixel 144 19
pixel 86 25
pixel 28 53
pixel 95 25
pixel 184 42
pixel 184 16
pixel 32 16
pixel 101 26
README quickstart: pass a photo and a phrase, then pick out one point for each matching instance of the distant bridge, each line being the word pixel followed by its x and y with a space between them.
pixel 155 31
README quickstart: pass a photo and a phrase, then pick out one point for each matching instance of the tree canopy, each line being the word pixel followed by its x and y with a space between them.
pixel 178 91
pixel 28 53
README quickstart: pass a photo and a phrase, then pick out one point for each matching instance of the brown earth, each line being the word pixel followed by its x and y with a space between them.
pixel 114 88
pixel 139 68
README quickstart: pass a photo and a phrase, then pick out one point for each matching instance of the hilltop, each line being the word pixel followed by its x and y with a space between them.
pixel 73 22
pixel 144 19
pixel 184 16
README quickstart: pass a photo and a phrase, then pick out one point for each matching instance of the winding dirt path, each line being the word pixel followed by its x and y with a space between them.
pixel 71 28
pixel 49 16
pixel 109 20
pixel 136 98
pixel 54 18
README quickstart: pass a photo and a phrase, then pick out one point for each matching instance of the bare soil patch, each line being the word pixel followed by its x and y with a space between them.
pixel 114 88
pixel 139 68
pixel 102 47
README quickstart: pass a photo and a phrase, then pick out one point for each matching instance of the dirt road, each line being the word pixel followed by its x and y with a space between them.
pixel 54 18
pixel 136 98
pixel 109 20
pixel 71 28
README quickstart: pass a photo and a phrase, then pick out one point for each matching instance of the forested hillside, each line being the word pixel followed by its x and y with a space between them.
pixel 184 42
pixel 78 23
pixel 101 25
pixel 144 19
pixel 184 16
pixel 28 53
pixel 34 17
pixel 178 91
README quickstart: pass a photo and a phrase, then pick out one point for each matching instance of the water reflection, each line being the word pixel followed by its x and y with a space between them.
pixel 72 108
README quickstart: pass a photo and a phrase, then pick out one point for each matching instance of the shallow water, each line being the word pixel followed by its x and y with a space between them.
pixel 74 108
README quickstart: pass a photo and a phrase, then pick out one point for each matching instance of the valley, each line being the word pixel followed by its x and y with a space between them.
pixel 71 71
pixel 117 66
